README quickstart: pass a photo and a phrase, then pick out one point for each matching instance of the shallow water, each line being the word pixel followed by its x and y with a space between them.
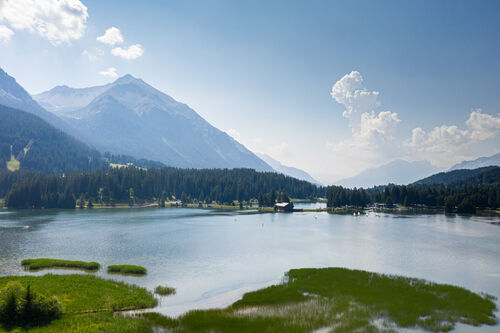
pixel 213 257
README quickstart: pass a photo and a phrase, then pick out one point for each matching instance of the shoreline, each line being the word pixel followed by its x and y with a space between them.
pixel 347 210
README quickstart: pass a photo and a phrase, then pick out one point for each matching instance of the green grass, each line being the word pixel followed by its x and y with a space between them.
pixel 89 303
pixel 93 322
pixel 341 300
pixel 45 263
pixel 164 290
pixel 87 293
pixel 127 269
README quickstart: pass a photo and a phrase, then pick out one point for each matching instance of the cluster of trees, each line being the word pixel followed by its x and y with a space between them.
pixel 338 196
pixel 23 307
pixel 463 199
pixel 269 199
pixel 37 190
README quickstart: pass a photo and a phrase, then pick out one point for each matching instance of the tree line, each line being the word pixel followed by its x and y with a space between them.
pixel 463 199
pixel 134 185
pixel 23 189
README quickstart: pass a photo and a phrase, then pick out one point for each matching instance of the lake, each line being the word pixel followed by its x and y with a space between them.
pixel 213 257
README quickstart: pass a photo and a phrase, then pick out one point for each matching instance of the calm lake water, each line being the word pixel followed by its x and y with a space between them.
pixel 213 257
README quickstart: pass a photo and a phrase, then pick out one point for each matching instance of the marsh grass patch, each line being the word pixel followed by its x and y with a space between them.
pixel 48 263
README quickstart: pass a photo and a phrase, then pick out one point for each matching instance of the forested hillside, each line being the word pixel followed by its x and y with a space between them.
pixel 33 144
pixel 473 177
pixel 30 143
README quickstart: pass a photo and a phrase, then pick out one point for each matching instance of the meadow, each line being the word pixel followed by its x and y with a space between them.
pixel 88 302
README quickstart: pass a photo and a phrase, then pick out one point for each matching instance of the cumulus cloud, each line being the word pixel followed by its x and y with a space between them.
pixel 349 92
pixel 482 125
pixel 374 140
pixel 58 21
pixel 5 33
pixel 373 134
pixel 111 37
pixel 233 133
pixel 133 52
pixel 445 144
pixel 110 72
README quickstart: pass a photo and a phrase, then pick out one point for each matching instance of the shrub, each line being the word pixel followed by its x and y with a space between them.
pixel 164 290
pixel 22 307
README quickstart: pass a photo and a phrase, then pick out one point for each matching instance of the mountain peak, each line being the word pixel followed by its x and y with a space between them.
pixel 127 78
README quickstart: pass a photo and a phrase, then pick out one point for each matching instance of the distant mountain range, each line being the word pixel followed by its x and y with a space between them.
pixel 485 176
pixel 131 117
pixel 395 172
pixel 478 163
pixel 287 170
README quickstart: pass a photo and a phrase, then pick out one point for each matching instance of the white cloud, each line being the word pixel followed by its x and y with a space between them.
pixel 5 33
pixel 383 125
pixel 349 92
pixel 110 72
pixel 446 144
pixel 111 37
pixel 58 21
pixel 373 134
pixel 133 52
pixel 483 126
pixel 234 133
pixel 374 141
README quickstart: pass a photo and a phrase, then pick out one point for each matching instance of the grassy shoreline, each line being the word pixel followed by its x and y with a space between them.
pixel 341 300
pixel 335 299
pixel 332 210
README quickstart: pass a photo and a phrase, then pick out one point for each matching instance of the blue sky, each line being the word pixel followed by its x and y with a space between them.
pixel 264 70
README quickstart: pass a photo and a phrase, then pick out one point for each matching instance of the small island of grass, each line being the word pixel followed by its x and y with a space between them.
pixel 164 290
pixel 46 263
pixel 127 269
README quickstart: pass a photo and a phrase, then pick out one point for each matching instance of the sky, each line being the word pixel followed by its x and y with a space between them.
pixel 331 87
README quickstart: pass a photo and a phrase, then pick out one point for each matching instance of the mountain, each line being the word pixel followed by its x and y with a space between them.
pixel 395 172
pixel 286 170
pixel 473 177
pixel 131 117
pixel 30 143
pixel 13 95
pixel 478 163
